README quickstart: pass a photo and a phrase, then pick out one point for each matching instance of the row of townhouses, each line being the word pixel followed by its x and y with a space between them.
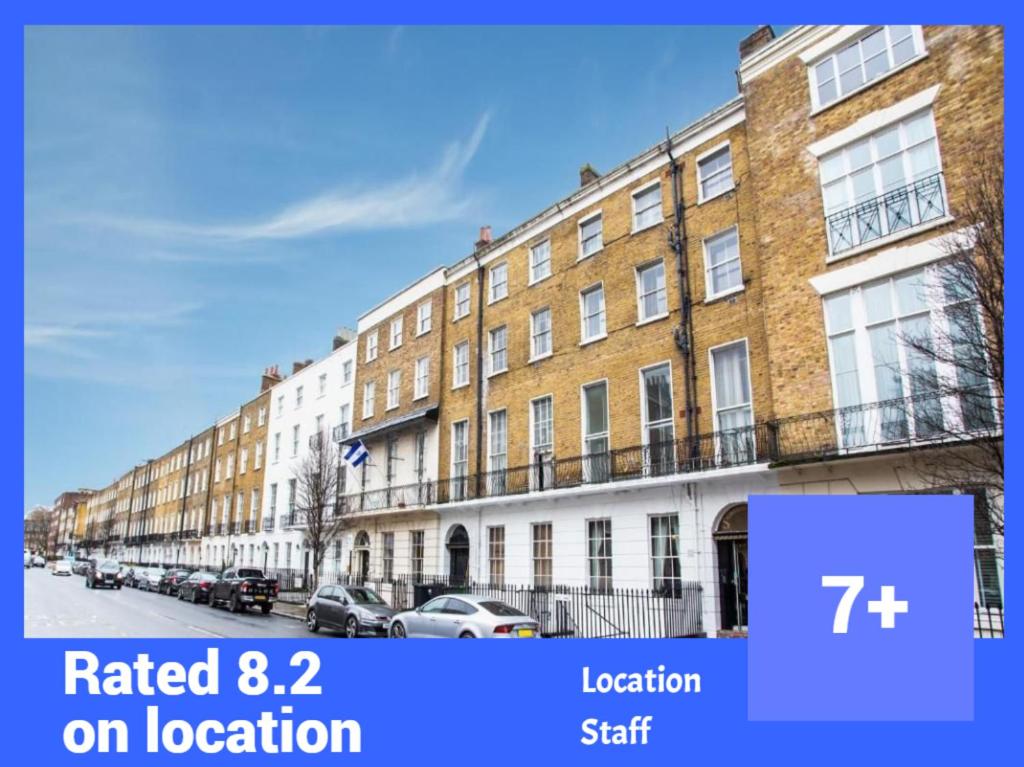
pixel 590 399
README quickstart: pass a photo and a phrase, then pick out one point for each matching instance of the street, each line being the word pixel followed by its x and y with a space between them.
pixel 63 607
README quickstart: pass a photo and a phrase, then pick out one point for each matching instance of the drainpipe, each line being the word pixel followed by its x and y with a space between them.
pixel 128 521
pixel 485 239
pixel 683 334
pixel 184 500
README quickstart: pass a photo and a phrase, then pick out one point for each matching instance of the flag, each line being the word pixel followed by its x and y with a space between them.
pixel 357 454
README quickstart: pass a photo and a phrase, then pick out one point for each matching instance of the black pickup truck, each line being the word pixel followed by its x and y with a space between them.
pixel 238 588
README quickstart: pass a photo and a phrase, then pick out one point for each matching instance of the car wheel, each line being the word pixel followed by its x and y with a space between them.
pixel 466 635
pixel 352 627
pixel 211 601
pixel 235 606
pixel 195 597
pixel 312 625
pixel 397 631
pixel 87 584
pixel 119 587
pixel 265 609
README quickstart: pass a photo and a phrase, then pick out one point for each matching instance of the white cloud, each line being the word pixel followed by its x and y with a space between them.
pixel 415 200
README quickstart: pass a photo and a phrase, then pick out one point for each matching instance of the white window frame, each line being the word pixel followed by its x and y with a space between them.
pixel 589 559
pixel 395 333
pixel 661 206
pixel 394 388
pixel 421 391
pixel 708 294
pixel 491 370
pixel 371 345
pixel 844 41
pixel 597 214
pixel 490 453
pixel 533 336
pixel 369 399
pixel 456 383
pixel 640 318
pixel 346 372
pixel 701 199
pixel 714 397
pixel 602 314
pixel 455 424
pixel 424 318
pixel 456 315
pixel 491 296
pixel 321 385
pixel 532 424
pixel 643 399
pixel 531 266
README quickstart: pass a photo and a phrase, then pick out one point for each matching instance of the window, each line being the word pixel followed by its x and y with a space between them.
pixel 647 207
pixel 420 454
pixel 371 346
pixel 592 321
pixel 650 292
pixel 231 465
pixel 596 466
pixel 298 396
pixel 882 184
pixel 295 441
pixel 497 348
pixel 542 569
pixel 368 397
pixel 423 312
pixel 254 503
pixel 496 555
pixel 460 371
pixel 722 272
pixel 292 489
pixel 591 235
pixel 422 378
pixel 318 428
pixel 387 556
pixel 862 61
pixel 540 261
pixel 257 462
pixel 396 333
pixel 497 451
pixel 498 283
pixel 714 173
pixel 280 410
pixel 261 416
pixel 416 548
pixel 542 442
pixel 277 446
pixel 246 428
pixel 666 570
pixel 321 383
pixel 346 372
pixel 344 422
pixel 243 460
pixel 734 411
pixel 394 383
pixel 460 459
pixel 461 300
pixel 233 430
pixel 881 339
pixel 658 426
pixel 540 334
pixel 599 554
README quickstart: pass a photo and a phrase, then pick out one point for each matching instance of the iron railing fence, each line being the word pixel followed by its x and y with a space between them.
pixel 988 621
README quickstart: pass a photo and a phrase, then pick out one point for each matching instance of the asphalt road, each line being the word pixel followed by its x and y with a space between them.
pixel 61 606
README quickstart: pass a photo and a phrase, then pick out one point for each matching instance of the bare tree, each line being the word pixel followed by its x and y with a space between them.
pixel 317 500
pixel 37 530
pixel 957 365
pixel 107 526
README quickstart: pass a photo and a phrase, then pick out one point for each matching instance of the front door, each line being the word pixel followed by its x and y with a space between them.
pixel 732 582
pixel 458 555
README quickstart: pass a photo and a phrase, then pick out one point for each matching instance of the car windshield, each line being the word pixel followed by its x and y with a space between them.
pixel 250 573
pixel 364 596
pixel 110 566
pixel 500 608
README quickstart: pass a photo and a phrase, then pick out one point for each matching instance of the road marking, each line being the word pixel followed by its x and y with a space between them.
pixel 204 631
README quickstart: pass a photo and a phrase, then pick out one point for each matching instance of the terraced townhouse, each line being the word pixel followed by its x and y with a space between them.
pixel 590 399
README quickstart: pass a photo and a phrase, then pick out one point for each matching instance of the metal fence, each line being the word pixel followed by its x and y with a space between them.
pixel 988 621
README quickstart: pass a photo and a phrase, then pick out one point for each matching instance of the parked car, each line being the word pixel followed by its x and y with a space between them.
pixel 28 560
pixel 61 567
pixel 240 587
pixel 171 580
pixel 356 610
pixel 196 588
pixel 80 566
pixel 103 574
pixel 38 561
pixel 465 616
pixel 148 579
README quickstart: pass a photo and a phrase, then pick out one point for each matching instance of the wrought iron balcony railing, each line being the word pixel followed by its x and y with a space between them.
pixel 339 432
pixel 902 208
pixel 268 523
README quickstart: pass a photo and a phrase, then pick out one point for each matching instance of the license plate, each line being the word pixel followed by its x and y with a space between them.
pixel 261 597
pixel 525 632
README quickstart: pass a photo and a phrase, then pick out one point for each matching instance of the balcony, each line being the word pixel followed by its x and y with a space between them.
pixel 250 526
pixel 268 523
pixel 935 419
pixel 236 527
pixel 899 209
pixel 340 432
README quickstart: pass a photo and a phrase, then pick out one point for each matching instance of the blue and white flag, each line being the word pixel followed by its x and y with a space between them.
pixel 357 454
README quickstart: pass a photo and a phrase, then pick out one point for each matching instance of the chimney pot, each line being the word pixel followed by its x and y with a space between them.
pixel 485 237
pixel 588 174
pixel 756 40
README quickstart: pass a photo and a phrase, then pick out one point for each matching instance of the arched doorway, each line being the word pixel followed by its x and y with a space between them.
pixel 361 554
pixel 731 541
pixel 458 554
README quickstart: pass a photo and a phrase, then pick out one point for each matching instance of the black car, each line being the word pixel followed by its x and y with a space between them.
pixel 105 574
pixel 172 580
pixel 197 587
pixel 244 586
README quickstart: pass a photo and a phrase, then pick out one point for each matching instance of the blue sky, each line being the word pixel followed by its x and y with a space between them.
pixel 203 203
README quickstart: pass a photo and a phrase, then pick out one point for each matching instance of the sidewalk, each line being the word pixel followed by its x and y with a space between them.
pixel 290 610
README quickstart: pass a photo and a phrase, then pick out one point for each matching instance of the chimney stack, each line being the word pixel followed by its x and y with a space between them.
pixel 485 237
pixel 588 175
pixel 341 337
pixel 271 376
pixel 756 40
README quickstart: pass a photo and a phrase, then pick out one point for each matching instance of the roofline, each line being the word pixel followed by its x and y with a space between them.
pixel 399 292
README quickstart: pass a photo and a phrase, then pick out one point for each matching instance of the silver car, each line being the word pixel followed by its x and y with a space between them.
pixel 464 616
pixel 356 610
pixel 149 579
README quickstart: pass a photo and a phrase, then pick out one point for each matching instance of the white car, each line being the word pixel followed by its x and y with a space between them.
pixel 38 561
pixel 149 579
pixel 61 567
pixel 28 560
